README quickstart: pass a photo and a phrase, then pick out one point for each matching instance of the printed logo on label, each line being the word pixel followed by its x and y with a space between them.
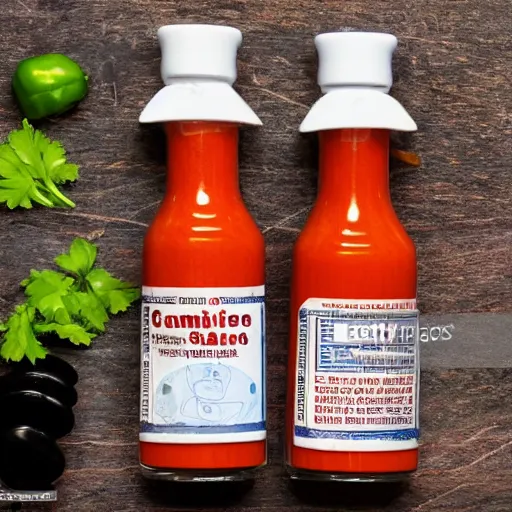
pixel 203 365
pixel 357 375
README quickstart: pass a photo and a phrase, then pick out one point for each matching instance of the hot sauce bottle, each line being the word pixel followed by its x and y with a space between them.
pixel 352 412
pixel 203 316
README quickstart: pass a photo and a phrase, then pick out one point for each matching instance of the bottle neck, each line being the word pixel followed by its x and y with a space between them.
pixel 202 162
pixel 354 171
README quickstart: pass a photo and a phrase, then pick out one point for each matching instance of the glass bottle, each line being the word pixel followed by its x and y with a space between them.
pixel 203 316
pixel 352 411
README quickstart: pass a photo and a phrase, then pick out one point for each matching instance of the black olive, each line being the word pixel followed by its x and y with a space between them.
pixel 50 364
pixel 36 410
pixel 37 380
pixel 29 459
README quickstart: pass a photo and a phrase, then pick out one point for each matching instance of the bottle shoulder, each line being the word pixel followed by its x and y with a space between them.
pixel 379 235
pixel 181 249
pixel 354 260
pixel 177 224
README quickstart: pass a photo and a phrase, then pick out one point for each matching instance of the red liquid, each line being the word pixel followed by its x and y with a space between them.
pixel 352 247
pixel 203 236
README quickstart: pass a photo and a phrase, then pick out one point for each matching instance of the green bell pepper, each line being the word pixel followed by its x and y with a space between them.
pixel 48 85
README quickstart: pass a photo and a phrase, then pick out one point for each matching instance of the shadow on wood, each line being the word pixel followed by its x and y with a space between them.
pixel 196 494
pixel 356 496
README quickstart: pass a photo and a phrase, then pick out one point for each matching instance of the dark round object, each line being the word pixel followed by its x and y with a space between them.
pixel 36 410
pixel 50 364
pixel 29 459
pixel 37 380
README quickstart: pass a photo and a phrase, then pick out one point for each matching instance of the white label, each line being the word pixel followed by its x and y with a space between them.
pixel 357 375
pixel 203 365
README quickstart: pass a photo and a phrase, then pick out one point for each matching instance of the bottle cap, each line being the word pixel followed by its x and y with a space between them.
pixel 199 51
pixel 355 74
pixel 355 59
pixel 198 69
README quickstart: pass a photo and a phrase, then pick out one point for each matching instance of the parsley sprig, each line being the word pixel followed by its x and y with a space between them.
pixel 31 167
pixel 74 304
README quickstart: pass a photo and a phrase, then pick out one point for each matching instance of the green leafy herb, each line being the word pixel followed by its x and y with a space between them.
pixel 80 259
pixel 75 304
pixel 19 340
pixel 115 295
pixel 45 291
pixel 31 167
pixel 72 332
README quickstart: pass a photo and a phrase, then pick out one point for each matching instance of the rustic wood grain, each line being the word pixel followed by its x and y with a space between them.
pixel 453 74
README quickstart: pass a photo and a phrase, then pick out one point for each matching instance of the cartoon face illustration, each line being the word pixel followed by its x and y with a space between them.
pixel 208 381
pixel 220 413
pixel 207 394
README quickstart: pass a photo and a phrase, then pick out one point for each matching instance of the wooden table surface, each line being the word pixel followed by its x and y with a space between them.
pixel 452 73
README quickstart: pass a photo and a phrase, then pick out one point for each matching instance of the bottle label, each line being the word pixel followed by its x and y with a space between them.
pixel 203 365
pixel 357 375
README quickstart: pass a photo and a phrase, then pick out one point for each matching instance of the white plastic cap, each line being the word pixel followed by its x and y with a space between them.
pixel 198 69
pixel 199 51
pixel 355 59
pixel 355 74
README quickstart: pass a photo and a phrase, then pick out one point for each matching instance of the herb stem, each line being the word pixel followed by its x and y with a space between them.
pixel 62 199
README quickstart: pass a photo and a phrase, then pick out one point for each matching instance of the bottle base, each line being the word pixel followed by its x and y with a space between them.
pixel 327 476
pixel 198 475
